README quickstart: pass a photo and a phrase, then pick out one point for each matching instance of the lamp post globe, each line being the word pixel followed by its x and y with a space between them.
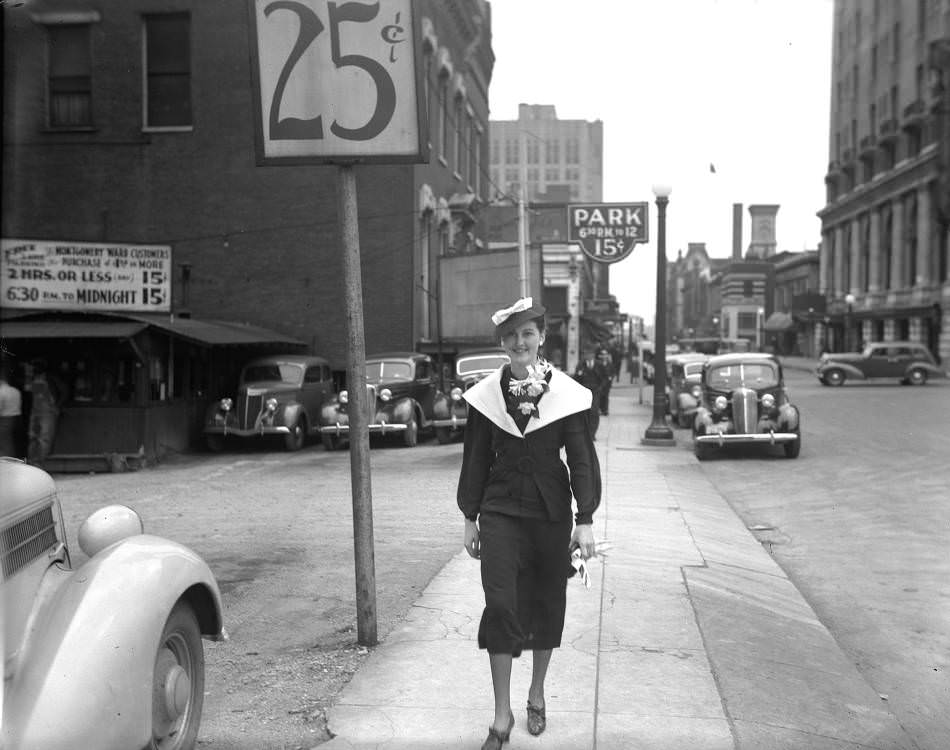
pixel 659 432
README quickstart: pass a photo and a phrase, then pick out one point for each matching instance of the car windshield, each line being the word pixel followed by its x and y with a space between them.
pixel 480 364
pixel 380 371
pixel 283 372
pixel 750 374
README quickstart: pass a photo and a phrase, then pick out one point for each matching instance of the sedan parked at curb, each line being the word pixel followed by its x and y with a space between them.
pixel 402 388
pixel 908 362
pixel 107 654
pixel 684 375
pixel 277 395
pixel 451 410
pixel 744 401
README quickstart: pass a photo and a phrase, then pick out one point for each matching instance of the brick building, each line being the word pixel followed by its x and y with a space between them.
pixel 131 122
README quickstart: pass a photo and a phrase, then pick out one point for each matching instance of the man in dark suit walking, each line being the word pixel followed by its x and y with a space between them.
pixel 593 376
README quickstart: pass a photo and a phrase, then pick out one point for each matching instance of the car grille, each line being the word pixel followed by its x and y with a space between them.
pixel 24 541
pixel 247 411
pixel 745 410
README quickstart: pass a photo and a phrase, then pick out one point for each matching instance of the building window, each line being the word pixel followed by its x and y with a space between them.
pixel 168 71
pixel 459 135
pixel 552 151
pixel 427 67
pixel 747 289
pixel 511 151
pixel 533 151
pixel 572 149
pixel 443 115
pixel 552 174
pixel 70 79
pixel 475 153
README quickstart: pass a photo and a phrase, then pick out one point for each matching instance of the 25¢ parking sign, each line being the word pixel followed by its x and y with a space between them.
pixel 337 81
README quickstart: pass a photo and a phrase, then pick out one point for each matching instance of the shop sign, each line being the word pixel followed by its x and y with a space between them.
pixel 337 82
pixel 608 232
pixel 62 275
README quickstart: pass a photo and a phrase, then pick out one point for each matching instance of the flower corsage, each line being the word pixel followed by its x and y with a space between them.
pixel 524 394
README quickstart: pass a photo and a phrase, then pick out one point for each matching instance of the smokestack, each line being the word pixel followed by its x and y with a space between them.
pixel 737 231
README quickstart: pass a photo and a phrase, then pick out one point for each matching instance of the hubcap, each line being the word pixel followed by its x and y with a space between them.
pixel 177 690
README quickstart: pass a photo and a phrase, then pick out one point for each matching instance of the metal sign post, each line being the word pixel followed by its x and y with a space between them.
pixel 339 83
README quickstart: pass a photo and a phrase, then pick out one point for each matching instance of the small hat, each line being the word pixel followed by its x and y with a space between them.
pixel 509 318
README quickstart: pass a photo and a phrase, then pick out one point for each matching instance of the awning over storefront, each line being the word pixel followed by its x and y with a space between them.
pixel 216 332
pixel 779 321
pixel 593 330
pixel 69 329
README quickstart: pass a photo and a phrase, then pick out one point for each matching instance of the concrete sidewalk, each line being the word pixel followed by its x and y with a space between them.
pixel 690 637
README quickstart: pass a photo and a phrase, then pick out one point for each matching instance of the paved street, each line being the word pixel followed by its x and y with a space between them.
pixel 868 553
pixel 861 524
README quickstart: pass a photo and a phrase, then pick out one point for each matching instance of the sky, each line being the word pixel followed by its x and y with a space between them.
pixel 743 85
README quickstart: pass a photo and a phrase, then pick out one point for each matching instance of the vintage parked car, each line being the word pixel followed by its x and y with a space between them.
pixel 451 410
pixel 402 388
pixel 744 401
pixel 106 654
pixel 907 361
pixel 277 395
pixel 683 373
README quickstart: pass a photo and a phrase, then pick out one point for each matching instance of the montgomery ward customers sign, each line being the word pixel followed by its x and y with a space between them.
pixel 55 275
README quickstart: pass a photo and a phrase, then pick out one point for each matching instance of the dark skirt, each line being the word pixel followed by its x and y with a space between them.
pixel 525 565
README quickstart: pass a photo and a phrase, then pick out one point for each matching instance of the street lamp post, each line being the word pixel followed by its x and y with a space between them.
pixel 659 432
pixel 760 329
pixel 848 322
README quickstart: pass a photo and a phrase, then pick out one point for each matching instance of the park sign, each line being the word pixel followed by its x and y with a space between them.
pixel 607 232
pixel 337 82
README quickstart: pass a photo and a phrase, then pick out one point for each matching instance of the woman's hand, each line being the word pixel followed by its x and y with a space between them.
pixel 583 537
pixel 471 539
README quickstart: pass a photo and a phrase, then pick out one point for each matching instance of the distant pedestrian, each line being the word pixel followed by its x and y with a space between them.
pixel 11 410
pixel 47 392
pixel 516 494
pixel 605 362
pixel 590 375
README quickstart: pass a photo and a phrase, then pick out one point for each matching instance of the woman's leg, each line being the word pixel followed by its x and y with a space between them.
pixel 501 685
pixel 539 669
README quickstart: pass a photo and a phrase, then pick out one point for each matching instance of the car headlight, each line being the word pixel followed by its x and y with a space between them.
pixel 721 403
pixel 768 401
pixel 456 394
pixel 107 526
pixel 225 404
pixel 696 392
pixel 344 397
pixel 271 404
pixel 385 395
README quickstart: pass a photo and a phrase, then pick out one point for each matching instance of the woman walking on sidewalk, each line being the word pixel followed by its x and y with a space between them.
pixel 515 493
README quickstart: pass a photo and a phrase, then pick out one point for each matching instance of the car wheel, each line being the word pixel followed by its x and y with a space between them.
pixel 411 435
pixel 793 448
pixel 835 377
pixel 443 435
pixel 917 377
pixel 215 443
pixel 330 442
pixel 295 439
pixel 178 682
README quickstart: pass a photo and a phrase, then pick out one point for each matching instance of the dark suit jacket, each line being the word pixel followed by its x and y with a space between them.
pixel 504 471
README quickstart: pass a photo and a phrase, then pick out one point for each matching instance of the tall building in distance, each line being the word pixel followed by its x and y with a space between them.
pixel 547 152
pixel 884 265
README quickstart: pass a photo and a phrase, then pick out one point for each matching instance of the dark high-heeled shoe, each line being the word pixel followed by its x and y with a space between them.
pixel 496 739
pixel 536 719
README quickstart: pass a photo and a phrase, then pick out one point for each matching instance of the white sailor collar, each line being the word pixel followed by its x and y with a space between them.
pixel 566 396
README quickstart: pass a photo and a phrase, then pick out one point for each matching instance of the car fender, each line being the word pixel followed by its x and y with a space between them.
pixel 442 406
pixel 91 651
pixel 849 370
pixel 402 410
pixel 292 412
pixel 788 417
pixel 930 369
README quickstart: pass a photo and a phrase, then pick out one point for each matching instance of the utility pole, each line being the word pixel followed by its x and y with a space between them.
pixel 522 241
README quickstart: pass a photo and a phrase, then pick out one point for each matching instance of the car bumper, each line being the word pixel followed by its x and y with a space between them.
pixel 248 431
pixel 453 422
pixel 722 438
pixel 379 428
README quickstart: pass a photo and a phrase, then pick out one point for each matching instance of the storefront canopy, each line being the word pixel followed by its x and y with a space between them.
pixel 215 332
pixel 69 329
pixel 779 321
